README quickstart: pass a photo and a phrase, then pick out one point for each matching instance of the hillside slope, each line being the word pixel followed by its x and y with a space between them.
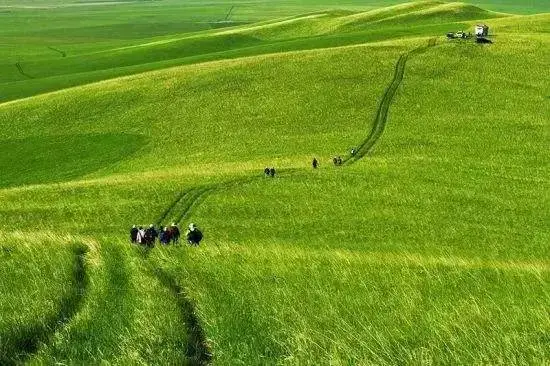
pixel 431 248
pixel 25 76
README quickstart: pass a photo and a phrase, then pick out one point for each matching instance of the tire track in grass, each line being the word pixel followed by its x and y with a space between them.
pixel 100 331
pixel 21 71
pixel 198 194
pixel 194 199
pixel 198 349
pixel 171 207
pixel 62 53
pixel 186 200
pixel 28 339
pixel 383 107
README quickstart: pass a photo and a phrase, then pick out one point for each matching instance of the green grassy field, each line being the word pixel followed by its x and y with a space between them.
pixel 430 246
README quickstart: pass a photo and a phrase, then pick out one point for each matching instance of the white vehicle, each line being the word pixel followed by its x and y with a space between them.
pixel 481 30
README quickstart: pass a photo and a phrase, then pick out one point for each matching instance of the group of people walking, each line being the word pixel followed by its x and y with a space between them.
pixel 171 234
pixel 269 172
pixel 165 235
pixel 337 160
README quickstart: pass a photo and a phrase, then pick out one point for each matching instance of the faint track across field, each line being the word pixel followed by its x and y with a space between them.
pixel 383 107
pixel 21 71
pixel 62 53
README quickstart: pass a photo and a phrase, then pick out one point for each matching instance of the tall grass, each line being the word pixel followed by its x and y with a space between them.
pixel 43 280
pixel 431 249
pixel 129 317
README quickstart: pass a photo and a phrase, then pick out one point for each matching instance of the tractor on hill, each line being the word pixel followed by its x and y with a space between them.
pixel 481 31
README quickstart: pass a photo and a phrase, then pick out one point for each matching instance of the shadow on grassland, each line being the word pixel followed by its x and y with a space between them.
pixel 50 159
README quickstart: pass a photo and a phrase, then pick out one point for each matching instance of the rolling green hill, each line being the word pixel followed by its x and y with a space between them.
pixel 47 58
pixel 428 246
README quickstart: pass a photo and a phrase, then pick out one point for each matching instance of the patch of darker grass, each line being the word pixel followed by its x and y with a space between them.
pixel 49 159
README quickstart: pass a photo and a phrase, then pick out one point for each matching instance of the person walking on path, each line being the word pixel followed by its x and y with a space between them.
pixel 175 233
pixel 193 235
pixel 314 163
pixel 272 172
pixel 140 238
pixel 133 234
pixel 164 236
pixel 151 235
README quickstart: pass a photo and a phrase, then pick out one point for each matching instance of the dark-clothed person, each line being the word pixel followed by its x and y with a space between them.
pixel 164 236
pixel 150 236
pixel 175 233
pixel 133 234
pixel 193 235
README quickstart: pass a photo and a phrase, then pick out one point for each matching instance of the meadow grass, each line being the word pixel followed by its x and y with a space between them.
pixel 43 279
pixel 43 59
pixel 432 249
pixel 266 303
pixel 128 317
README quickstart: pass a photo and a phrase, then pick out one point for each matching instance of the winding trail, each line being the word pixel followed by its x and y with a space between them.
pixel 198 350
pixel 28 339
pixel 383 107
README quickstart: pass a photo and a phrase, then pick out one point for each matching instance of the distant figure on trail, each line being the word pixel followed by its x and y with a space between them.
pixel 339 160
pixel 133 234
pixel 194 235
pixel 353 151
pixel 140 238
pixel 272 172
pixel 266 171
pixel 175 233
pixel 314 163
